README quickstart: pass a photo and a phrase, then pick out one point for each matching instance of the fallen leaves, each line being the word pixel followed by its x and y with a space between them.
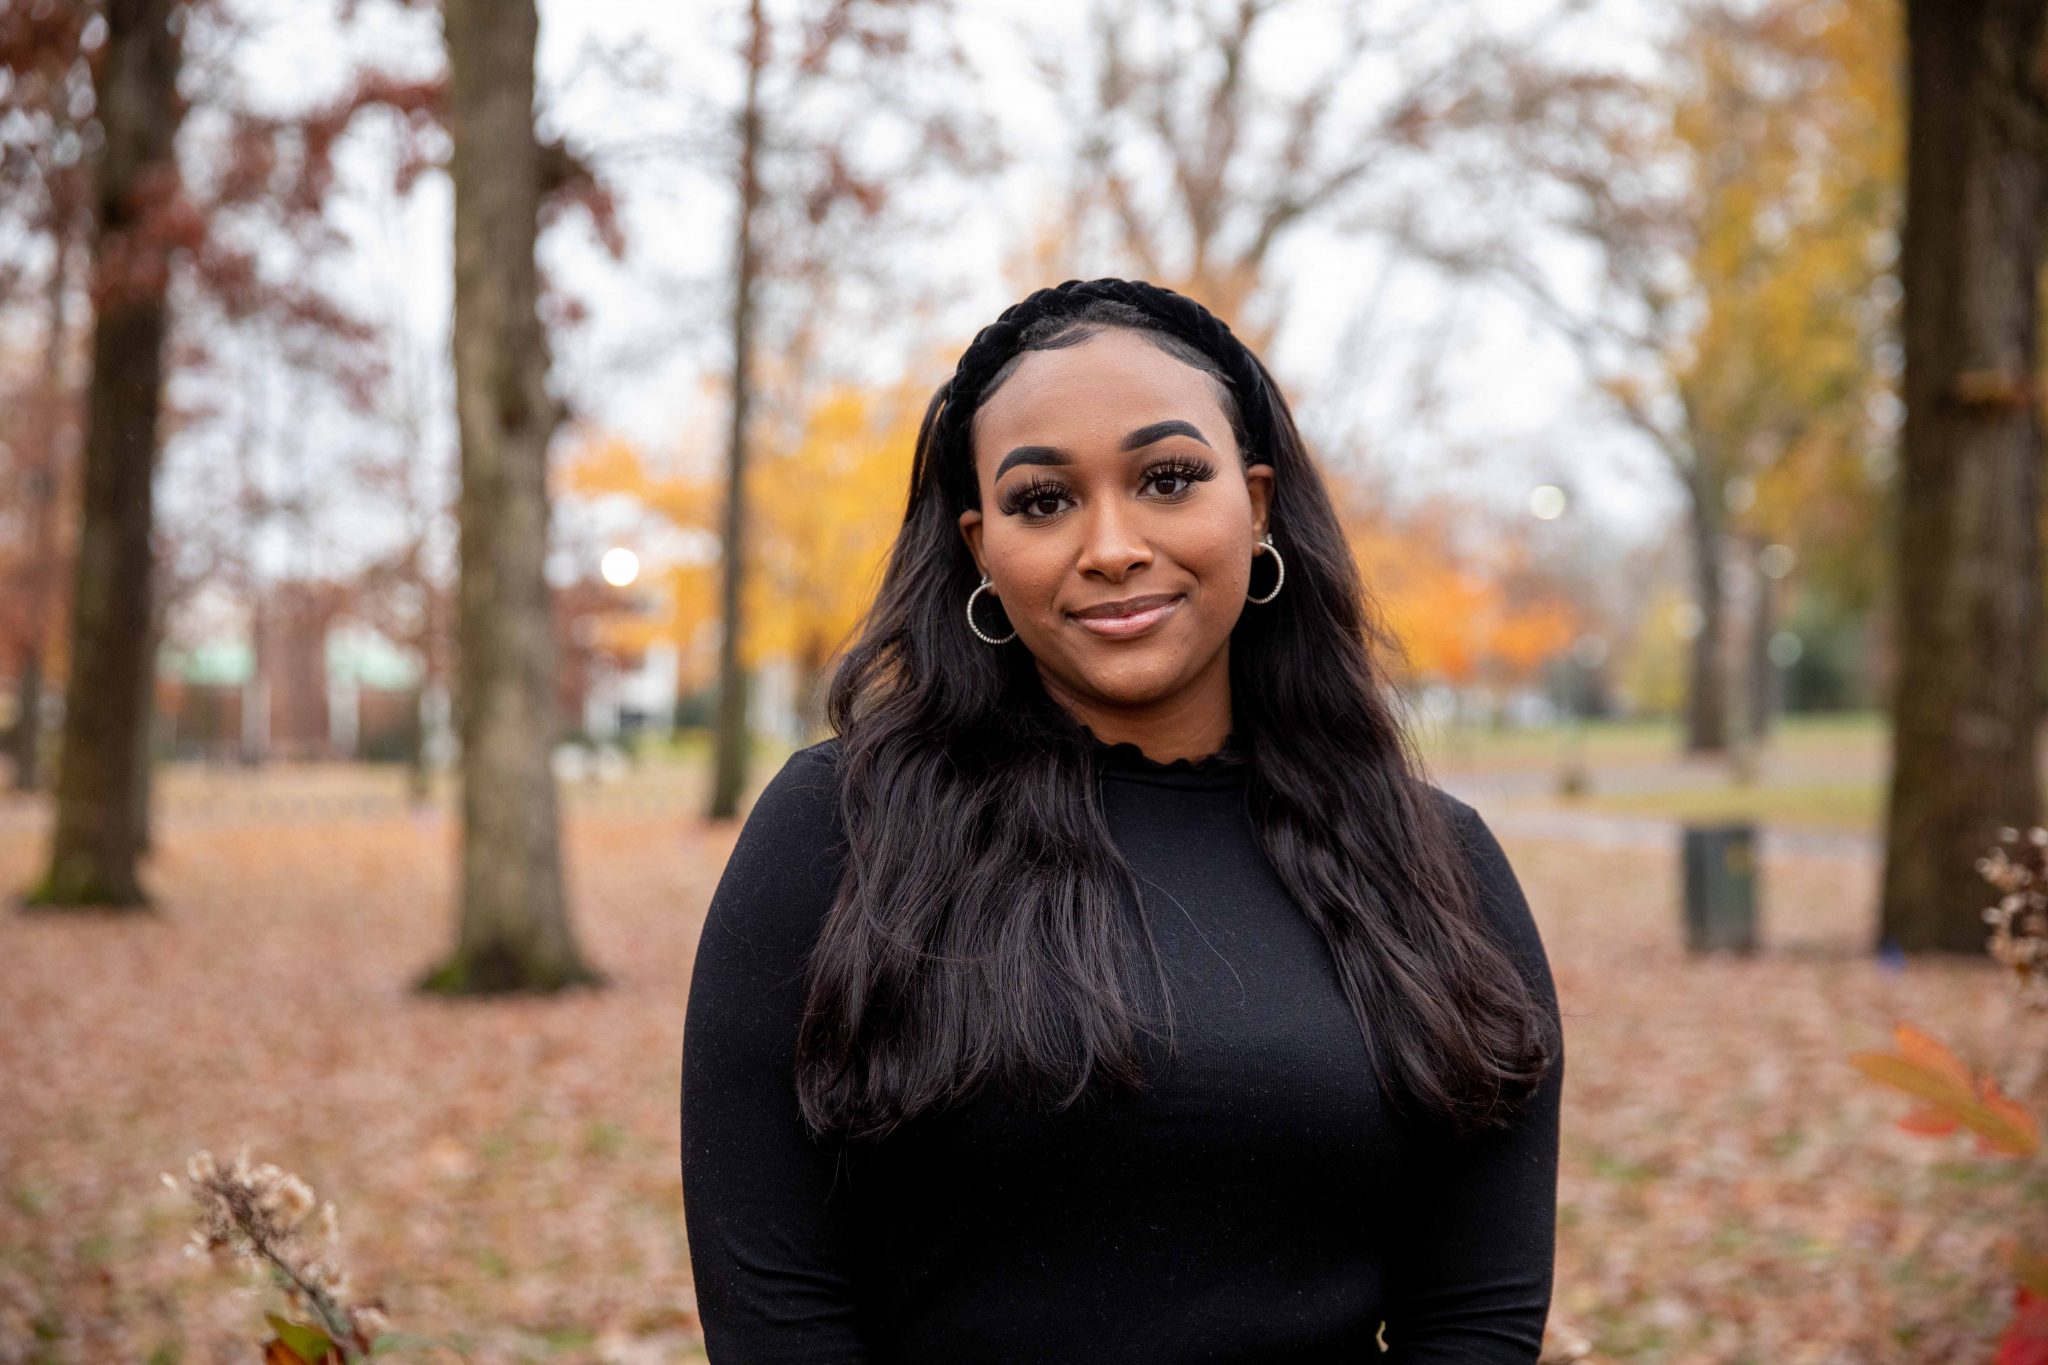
pixel 508 1171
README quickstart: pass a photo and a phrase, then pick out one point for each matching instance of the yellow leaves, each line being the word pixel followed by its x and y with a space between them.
pixel 824 500
pixel 1794 132
pixel 1950 1096
pixel 827 507
pixel 608 464
pixel 613 466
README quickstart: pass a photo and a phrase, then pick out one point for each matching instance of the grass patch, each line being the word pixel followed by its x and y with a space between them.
pixel 1847 806
pixel 568 1336
pixel 604 1138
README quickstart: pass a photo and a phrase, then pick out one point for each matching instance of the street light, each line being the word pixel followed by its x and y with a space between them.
pixel 620 566
pixel 1547 502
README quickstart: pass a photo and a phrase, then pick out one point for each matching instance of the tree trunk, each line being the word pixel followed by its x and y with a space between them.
pixel 418 784
pixel 729 773
pixel 145 739
pixel 43 486
pixel 1968 576
pixel 98 838
pixel 1762 672
pixel 26 741
pixel 1706 693
pixel 515 933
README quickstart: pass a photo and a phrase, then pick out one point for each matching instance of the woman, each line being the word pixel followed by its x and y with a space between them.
pixel 1112 987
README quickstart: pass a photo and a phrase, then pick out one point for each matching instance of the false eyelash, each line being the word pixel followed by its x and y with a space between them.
pixel 1178 466
pixel 1185 467
pixel 1021 498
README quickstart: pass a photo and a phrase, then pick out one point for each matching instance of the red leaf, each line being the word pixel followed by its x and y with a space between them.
pixel 2026 1337
pixel 1929 1120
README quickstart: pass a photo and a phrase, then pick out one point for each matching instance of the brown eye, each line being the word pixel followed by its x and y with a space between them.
pixel 1187 472
pixel 1025 500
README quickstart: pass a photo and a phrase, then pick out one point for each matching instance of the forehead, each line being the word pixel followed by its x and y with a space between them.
pixel 1092 393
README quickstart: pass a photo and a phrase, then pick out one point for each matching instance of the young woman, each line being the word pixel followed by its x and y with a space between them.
pixel 1112 987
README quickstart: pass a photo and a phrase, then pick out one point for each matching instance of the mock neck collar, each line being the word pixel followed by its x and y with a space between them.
pixel 1124 759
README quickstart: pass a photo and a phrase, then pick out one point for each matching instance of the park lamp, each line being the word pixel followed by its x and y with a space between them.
pixel 619 567
pixel 1547 502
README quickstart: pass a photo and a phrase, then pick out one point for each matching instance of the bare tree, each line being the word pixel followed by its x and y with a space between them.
pixel 811 198
pixel 92 96
pixel 46 185
pixel 137 199
pixel 41 467
pixel 515 932
pixel 1967 702
pixel 729 765
pixel 1192 169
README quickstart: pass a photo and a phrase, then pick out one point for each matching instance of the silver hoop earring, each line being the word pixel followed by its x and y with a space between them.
pixel 1266 543
pixel 977 629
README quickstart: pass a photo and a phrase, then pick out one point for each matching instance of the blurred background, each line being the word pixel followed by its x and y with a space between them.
pixel 442 447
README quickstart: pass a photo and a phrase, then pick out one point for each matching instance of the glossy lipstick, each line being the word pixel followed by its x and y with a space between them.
pixel 1118 620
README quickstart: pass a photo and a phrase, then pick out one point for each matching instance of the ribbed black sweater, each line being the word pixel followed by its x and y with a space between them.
pixel 1257 1204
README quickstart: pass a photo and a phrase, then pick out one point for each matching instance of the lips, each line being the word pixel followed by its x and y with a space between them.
pixel 1132 616
pixel 1129 606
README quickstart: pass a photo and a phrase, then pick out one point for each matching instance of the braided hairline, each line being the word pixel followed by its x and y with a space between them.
pixel 1183 316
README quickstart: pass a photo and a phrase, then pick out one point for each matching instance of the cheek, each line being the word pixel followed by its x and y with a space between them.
pixel 1221 565
pixel 1032 571
pixel 1217 555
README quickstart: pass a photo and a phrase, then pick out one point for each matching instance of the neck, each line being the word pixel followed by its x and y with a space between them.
pixel 1191 724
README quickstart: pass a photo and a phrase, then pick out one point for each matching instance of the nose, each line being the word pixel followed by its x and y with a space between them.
pixel 1111 544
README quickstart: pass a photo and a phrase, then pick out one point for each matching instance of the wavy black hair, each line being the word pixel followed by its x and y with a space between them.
pixel 979 932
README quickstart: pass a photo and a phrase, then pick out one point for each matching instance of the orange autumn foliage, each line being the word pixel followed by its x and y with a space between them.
pixel 1461 617
pixel 1951 1096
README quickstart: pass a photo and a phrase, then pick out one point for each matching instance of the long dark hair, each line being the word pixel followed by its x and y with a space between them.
pixel 977 933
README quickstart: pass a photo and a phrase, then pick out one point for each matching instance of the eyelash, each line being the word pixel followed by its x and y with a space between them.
pixel 1180 467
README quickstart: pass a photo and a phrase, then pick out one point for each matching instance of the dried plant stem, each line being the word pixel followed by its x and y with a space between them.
pixel 257 1213
pixel 339 1329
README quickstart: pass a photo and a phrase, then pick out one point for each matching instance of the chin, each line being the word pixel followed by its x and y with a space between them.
pixel 1137 682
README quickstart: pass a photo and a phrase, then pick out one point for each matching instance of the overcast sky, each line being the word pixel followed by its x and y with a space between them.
pixel 1513 409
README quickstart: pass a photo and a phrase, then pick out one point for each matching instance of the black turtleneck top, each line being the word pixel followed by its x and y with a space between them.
pixel 1257 1204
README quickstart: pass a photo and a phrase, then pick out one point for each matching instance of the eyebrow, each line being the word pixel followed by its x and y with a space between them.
pixel 1143 436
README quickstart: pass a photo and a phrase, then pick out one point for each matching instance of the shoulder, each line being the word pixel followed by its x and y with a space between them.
pixel 1468 828
pixel 1501 898
pixel 786 861
pixel 820 757
pixel 801 798
pixel 1460 817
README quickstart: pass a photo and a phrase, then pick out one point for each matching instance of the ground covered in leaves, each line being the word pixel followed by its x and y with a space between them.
pixel 507 1173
